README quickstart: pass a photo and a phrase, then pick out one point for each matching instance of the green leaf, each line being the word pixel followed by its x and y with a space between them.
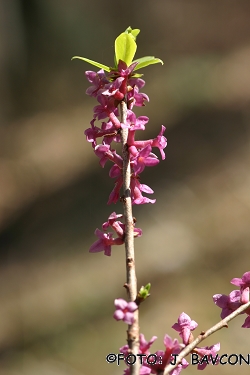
pixel 99 65
pixel 137 75
pixel 148 286
pixel 135 32
pixel 132 32
pixel 128 30
pixel 125 48
pixel 147 60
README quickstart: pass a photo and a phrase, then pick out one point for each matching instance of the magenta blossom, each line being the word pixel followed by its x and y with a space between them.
pixel 184 326
pixel 99 80
pixel 105 153
pixel 106 108
pixel 245 295
pixel 110 133
pixel 138 98
pixel 208 355
pixel 105 242
pixel 113 89
pixel 229 303
pixel 134 96
pixel 125 310
pixel 134 123
pixel 115 224
pixel 136 191
pixel 243 282
pixel 115 193
pixel 144 158
pixel 136 188
pixel 123 70
pixel 165 357
pixel 115 171
pixel 111 220
pixel 145 345
pixel 160 142
pixel 92 133
pixel 118 226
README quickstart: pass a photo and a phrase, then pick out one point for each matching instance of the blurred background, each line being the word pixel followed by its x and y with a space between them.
pixel 56 299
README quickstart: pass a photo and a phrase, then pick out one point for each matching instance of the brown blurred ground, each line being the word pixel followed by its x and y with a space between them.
pixel 56 299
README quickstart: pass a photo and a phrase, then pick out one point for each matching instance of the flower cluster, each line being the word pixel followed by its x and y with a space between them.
pixel 162 358
pixel 207 353
pixel 236 298
pixel 119 85
pixel 106 239
pixel 184 326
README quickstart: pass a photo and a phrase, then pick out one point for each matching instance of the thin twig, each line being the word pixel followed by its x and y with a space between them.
pixel 131 284
pixel 203 336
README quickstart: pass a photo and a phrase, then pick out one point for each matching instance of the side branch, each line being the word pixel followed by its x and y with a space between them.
pixel 188 349
pixel 131 283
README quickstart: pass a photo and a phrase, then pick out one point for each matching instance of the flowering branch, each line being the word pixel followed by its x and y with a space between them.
pixel 120 89
pixel 117 92
pixel 203 335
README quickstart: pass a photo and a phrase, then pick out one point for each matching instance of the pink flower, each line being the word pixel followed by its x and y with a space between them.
pixel 125 310
pixel 165 357
pixel 111 220
pixel 105 108
pixel 110 133
pixel 105 242
pixel 229 303
pixel 134 97
pixel 123 70
pixel 184 326
pixel 145 345
pixel 98 79
pixel 161 142
pixel 92 133
pixel 115 171
pixel 245 295
pixel 116 225
pixel 115 193
pixel 136 189
pixel 144 158
pixel 135 123
pixel 243 282
pixel 105 153
pixel 113 89
pixel 206 353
